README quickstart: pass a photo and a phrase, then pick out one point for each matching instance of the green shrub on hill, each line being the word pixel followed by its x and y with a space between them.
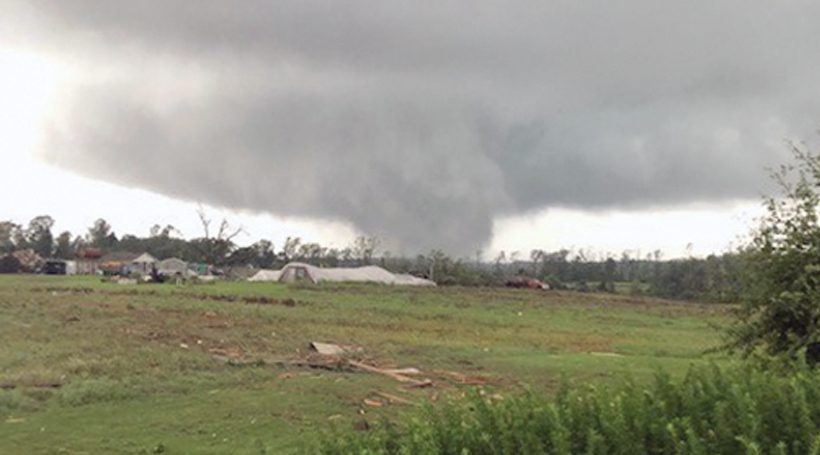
pixel 711 411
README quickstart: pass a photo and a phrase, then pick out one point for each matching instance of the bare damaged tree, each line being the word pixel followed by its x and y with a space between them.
pixel 215 250
pixel 206 222
pixel 226 231
pixel 364 248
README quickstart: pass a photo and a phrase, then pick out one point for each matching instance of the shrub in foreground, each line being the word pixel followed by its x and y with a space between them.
pixel 711 411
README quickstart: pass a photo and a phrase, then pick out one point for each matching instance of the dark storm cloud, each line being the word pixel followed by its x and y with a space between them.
pixel 423 124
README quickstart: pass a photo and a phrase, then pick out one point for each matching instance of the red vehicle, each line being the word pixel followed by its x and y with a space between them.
pixel 529 283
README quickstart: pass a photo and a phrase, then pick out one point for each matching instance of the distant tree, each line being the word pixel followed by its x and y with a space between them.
pixel 312 253
pixel 537 258
pixel 100 235
pixel 20 239
pixel 332 257
pixel 241 257
pixel 364 248
pixel 260 255
pixel 164 232
pixel 290 249
pixel 63 248
pixel 264 254
pixel 9 232
pixel 437 264
pixel 9 264
pixel 215 248
pixel 498 264
pixel 607 283
pixel 39 237
pixel 78 243
pixel 780 314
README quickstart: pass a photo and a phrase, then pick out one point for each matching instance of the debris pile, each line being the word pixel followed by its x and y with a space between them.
pixel 347 358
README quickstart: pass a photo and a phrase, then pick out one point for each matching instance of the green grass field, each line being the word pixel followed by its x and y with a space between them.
pixel 91 367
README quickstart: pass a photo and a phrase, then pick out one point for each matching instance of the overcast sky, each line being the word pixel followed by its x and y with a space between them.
pixel 459 125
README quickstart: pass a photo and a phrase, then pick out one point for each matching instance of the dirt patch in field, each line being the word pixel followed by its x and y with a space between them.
pixel 588 344
pixel 186 329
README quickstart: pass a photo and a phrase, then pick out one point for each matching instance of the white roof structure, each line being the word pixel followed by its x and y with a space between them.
pixel 172 265
pixel 173 261
pixel 145 258
pixel 297 271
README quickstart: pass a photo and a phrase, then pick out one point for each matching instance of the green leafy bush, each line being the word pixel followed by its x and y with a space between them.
pixel 711 411
pixel 780 315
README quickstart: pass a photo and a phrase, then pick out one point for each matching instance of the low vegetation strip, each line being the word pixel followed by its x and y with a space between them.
pixel 711 411
pixel 255 299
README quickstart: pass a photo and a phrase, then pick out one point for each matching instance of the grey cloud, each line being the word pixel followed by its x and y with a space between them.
pixel 423 125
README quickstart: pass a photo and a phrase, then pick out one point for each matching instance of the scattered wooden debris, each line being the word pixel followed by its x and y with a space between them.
pixel 336 357
pixel 420 384
pixel 462 379
pixel 332 349
pixel 606 354
pixel 229 352
pixel 327 348
pixel 404 371
pixel 372 403
pixel 410 382
pixel 393 398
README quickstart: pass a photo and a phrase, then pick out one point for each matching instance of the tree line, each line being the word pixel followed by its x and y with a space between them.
pixel 215 247
pixel 716 278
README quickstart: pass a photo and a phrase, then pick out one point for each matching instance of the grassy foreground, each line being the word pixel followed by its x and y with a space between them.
pixel 710 412
pixel 88 367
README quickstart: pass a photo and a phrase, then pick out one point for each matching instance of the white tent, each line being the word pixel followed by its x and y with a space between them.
pixel 143 263
pixel 266 275
pixel 297 271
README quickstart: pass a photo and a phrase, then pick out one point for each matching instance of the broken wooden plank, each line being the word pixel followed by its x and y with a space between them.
pixel 393 398
pixel 410 371
pixel 327 348
pixel 420 384
pixel 388 373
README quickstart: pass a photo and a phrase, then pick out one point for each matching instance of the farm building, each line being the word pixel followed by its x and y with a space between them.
pixel 172 266
pixel 143 264
pixel 296 271
pixel 88 261
pixel 117 262
pixel 124 263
